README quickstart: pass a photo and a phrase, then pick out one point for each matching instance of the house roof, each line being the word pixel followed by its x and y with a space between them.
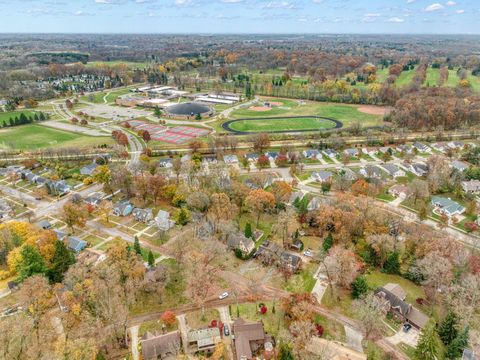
pixel 311 152
pixel 372 170
pixel 395 302
pixel 155 345
pixel 459 165
pixel 472 185
pixel 322 174
pixel 89 169
pixel 76 244
pixel 417 318
pixel 230 158
pixel 245 333
pixel 396 290
pixel 44 224
pixel 330 152
pixel 202 336
pixel 447 204
pixel 391 168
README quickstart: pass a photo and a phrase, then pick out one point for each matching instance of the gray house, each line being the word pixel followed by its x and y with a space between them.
pixel 163 222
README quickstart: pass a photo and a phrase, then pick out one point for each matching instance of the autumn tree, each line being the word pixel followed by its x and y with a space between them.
pixel 370 310
pixel 259 201
pixel 168 318
pixel 340 266
pixel 74 215
pixel 260 142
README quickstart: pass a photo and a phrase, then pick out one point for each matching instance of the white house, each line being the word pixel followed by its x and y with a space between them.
pixel 447 206
pixel 321 176
pixel 393 170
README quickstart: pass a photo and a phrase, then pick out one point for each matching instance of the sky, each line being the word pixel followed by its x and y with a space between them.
pixel 241 16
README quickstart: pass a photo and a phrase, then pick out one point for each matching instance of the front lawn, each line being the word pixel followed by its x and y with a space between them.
pixel 273 322
pixel 377 279
pixel 199 319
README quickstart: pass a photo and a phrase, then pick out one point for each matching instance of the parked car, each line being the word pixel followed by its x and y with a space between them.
pixel 308 253
pixel 406 327
pixel 223 295
pixel 226 331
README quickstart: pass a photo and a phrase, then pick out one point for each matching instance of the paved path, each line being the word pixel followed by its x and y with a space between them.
pixel 410 338
pixel 134 341
pixel 182 326
pixel 73 128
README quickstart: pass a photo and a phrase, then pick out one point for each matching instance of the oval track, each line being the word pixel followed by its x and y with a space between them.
pixel 226 124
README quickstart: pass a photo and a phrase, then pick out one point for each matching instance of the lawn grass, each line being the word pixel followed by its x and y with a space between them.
pixel 332 330
pixel 272 322
pixel 386 197
pixel 303 282
pixel 199 319
pixel 377 279
pixel 433 76
pixel 292 124
pixel 453 78
pixel 33 136
pixel 5 116
pixel 405 78
pixel 153 326
pixel 348 114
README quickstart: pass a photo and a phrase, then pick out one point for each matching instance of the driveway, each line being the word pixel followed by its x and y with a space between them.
pixel 134 341
pixel 410 338
pixel 354 339
pixel 182 326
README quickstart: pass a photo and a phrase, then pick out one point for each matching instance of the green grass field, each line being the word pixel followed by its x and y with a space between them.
pixel 347 114
pixel 130 64
pixel 5 116
pixel 405 77
pixel 294 124
pixel 29 137
pixel 433 76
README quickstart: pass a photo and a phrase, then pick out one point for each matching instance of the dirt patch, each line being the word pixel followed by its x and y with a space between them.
pixel 259 108
pixel 375 110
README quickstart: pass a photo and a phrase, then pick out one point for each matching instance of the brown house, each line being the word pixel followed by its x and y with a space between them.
pixel 249 338
pixel 394 298
pixel 161 346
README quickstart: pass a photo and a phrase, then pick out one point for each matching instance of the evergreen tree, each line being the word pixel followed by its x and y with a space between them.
pixel 248 231
pixel 183 217
pixel 327 242
pixel 136 246
pixel 448 329
pixel 359 287
pixel 32 262
pixel 455 349
pixel 427 345
pixel 61 261
pixel 392 264
pixel 150 258
pixel 285 352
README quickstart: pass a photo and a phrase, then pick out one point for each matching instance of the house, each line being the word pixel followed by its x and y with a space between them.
pixel 143 215
pixel 347 174
pixel 209 159
pixel 456 145
pixel 122 208
pixel 352 152
pixel 249 339
pixel 271 155
pixel 295 196
pixel 393 297
pixel 157 345
pixel 60 234
pixel 459 165
pixel 165 163
pixel 447 206
pixel 421 147
pixel 314 203
pixel 442 147
pixel 240 242
pixel 204 339
pixel 404 148
pixel 44 224
pixel 252 157
pixel 5 209
pixel 321 176
pixel 291 261
pixel 89 169
pixel 385 150
pixel 94 199
pixel 58 188
pixel 393 170
pixel 419 169
pixel 230 159
pixel 398 190
pixel 311 154
pixel 330 153
pixel 297 245
pixel 76 244
pixel 371 172
pixel 369 151
pixel 163 222
pixel 472 186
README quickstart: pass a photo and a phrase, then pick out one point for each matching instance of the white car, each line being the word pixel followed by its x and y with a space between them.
pixel 308 253
pixel 223 295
